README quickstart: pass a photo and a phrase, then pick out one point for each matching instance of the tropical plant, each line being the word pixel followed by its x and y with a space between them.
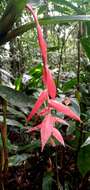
pixel 52 108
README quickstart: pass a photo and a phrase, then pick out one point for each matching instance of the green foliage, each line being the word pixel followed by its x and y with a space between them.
pixel 12 12
pixel 35 74
pixel 70 84
pixel 68 4
pixel 47 181
pixel 17 159
pixel 85 41
pixel 29 147
pixel 45 21
pixel 84 160
pixel 15 98
pixel 61 34
pixel 87 142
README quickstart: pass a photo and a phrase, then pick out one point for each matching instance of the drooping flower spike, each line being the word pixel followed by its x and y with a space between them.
pixel 47 77
pixel 47 126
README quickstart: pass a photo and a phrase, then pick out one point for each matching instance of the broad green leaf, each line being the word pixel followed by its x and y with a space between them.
pixel 11 122
pixel 29 147
pixel 84 159
pixel 36 69
pixel 75 106
pixel 87 27
pixel 47 181
pixel 86 45
pixel 15 112
pixel 45 21
pixel 15 98
pixel 10 146
pixel 70 84
pixel 12 12
pixel 17 159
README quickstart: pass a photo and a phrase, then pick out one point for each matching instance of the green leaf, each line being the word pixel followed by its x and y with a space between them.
pixel 15 112
pixel 47 181
pixel 10 146
pixel 86 45
pixel 63 10
pixel 11 122
pixel 17 159
pixel 42 9
pixel 71 128
pixel 29 147
pixel 87 142
pixel 87 27
pixel 12 12
pixel 45 21
pixel 84 160
pixel 70 84
pixel 68 4
pixel 15 98
pixel 75 106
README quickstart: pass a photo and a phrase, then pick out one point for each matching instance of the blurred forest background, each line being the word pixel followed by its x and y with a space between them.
pixel 66 29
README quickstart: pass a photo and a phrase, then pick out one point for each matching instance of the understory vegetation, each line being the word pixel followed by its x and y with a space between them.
pixel 45 95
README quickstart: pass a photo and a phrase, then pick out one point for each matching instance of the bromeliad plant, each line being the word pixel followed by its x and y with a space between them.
pixel 47 126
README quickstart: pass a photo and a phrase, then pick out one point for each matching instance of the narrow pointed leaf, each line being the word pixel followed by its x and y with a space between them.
pixel 46 130
pixel 49 82
pixel 42 43
pixel 58 136
pixel 64 109
pixel 43 96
